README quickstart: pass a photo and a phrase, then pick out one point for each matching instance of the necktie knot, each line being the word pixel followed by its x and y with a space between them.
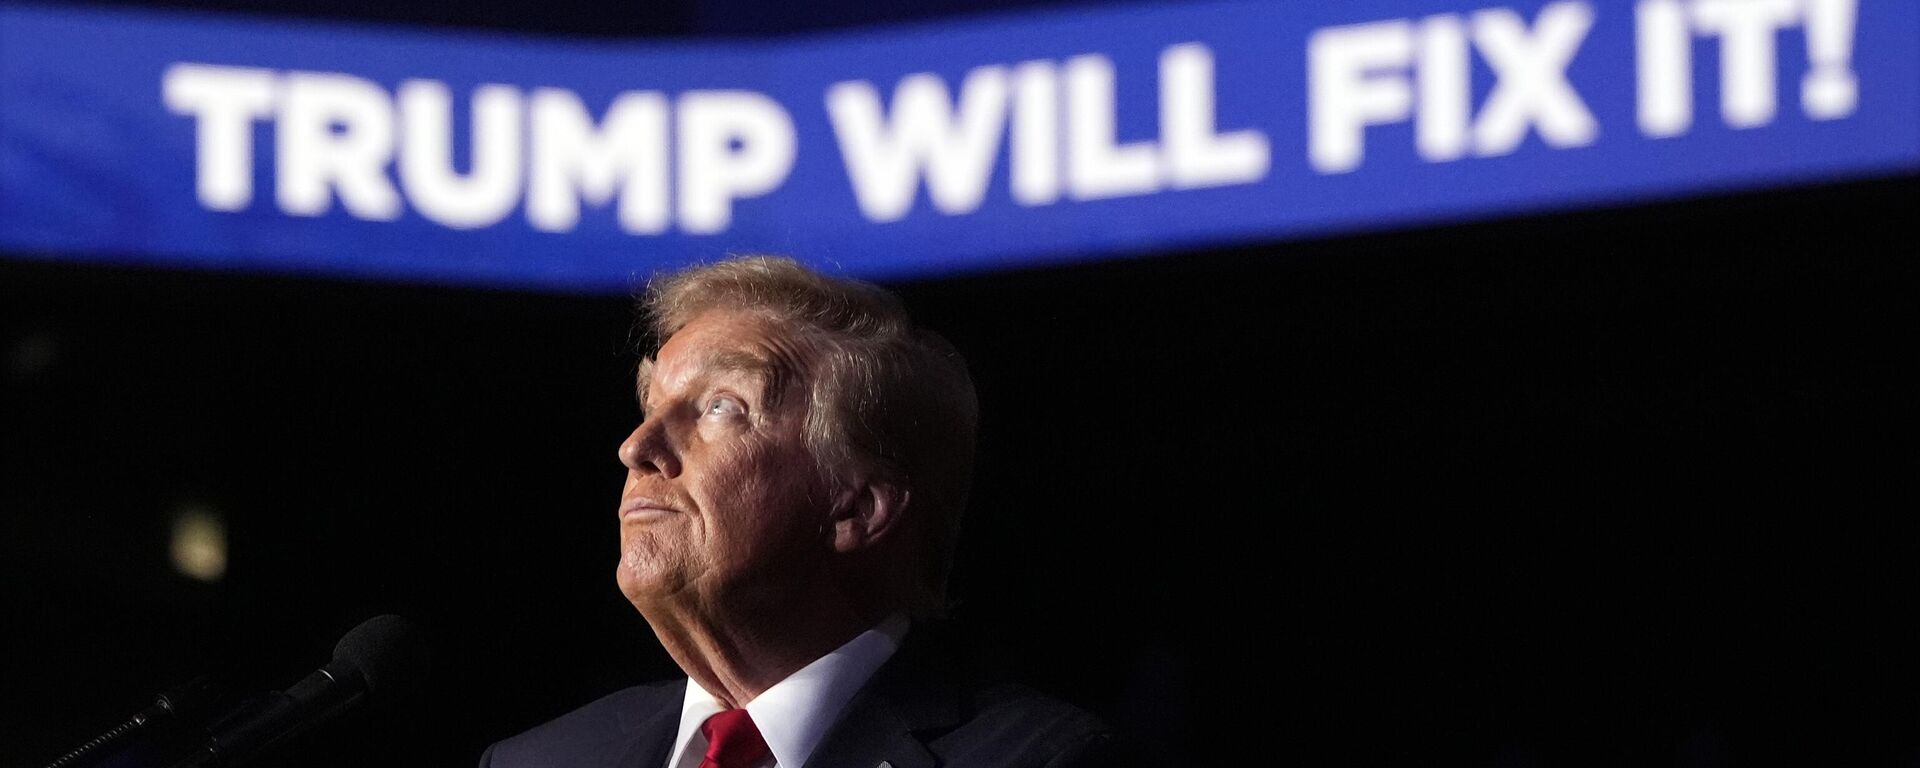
pixel 733 741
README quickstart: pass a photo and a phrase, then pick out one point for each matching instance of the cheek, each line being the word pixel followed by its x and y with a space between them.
pixel 762 499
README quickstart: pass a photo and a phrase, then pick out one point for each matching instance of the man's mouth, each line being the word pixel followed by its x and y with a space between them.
pixel 640 508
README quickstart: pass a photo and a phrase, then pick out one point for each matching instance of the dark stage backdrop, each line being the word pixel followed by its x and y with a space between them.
pixel 1628 487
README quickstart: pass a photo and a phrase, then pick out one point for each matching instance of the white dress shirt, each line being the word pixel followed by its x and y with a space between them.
pixel 795 713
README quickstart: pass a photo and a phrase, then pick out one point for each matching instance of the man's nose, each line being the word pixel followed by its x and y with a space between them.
pixel 649 450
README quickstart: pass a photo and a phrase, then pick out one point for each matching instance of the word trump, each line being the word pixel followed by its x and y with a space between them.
pixel 335 136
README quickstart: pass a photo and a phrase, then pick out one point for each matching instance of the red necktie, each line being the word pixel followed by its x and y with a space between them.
pixel 733 741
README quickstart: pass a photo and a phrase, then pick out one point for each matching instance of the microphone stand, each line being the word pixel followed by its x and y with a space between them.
pixel 168 710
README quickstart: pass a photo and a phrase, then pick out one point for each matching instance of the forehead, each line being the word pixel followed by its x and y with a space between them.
pixel 721 342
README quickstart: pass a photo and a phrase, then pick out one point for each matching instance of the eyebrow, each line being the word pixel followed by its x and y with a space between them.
pixel 772 375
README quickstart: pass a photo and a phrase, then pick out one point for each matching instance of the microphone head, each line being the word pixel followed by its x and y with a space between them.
pixel 389 653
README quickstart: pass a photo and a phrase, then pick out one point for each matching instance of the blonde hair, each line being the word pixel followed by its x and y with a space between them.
pixel 887 395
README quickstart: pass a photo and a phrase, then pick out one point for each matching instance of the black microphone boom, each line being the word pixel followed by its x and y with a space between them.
pixel 383 659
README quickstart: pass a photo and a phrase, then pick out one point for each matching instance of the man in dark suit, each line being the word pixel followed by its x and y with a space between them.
pixel 793 495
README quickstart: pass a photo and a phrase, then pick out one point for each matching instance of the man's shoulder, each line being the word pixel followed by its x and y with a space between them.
pixel 1001 700
pixel 1009 719
pixel 596 734
pixel 968 713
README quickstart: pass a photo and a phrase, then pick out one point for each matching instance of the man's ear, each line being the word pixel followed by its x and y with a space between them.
pixel 869 511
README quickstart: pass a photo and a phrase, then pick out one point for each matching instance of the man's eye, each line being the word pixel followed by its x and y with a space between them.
pixel 724 406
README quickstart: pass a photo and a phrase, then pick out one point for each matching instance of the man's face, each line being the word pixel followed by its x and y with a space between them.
pixel 722 495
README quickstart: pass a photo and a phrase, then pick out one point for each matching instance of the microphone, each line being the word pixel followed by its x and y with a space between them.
pixel 383 659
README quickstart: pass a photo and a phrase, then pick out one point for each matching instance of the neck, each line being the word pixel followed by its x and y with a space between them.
pixel 737 652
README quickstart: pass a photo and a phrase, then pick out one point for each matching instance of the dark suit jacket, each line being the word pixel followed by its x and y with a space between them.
pixel 920 710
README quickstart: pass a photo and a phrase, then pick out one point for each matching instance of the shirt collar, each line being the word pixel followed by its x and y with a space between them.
pixel 794 715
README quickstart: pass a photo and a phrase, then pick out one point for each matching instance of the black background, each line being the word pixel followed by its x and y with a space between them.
pixel 1616 487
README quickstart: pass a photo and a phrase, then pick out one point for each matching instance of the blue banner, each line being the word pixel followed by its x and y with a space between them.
pixel 907 151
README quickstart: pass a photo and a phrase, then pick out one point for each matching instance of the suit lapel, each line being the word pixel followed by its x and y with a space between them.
pixel 870 742
pixel 910 699
pixel 650 735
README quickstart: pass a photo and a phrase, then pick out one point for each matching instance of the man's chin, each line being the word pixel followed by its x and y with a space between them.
pixel 646 584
